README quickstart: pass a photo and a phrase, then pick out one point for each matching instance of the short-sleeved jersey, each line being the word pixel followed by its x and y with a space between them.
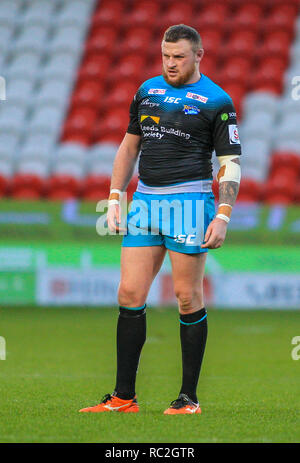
pixel 180 127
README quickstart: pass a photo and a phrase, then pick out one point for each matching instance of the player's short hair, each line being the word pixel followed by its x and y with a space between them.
pixel 181 31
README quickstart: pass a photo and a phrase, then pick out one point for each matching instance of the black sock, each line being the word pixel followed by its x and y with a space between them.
pixel 193 334
pixel 131 335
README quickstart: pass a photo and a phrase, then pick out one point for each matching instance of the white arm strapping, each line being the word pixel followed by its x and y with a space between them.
pixel 229 171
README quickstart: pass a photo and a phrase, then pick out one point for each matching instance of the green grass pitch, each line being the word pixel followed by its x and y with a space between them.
pixel 60 360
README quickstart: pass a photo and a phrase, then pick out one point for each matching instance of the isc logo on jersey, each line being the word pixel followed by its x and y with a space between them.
pixel 234 138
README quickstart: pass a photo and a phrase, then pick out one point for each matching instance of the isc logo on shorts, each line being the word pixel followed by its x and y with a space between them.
pixel 188 239
pixel 234 138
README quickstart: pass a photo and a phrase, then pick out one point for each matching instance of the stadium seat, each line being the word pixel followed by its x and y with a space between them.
pixel 247 17
pixel 8 12
pixel 87 94
pixel 129 67
pixel 249 191
pixel 61 65
pixel 65 181
pixel 39 14
pixel 12 117
pixel 176 13
pixel 5 176
pixel 277 44
pixel 240 43
pixel 52 92
pixel 30 40
pixel 142 15
pixel 210 17
pixel 23 66
pixel 212 41
pixel 68 39
pixel 95 187
pixel 75 13
pixel 45 119
pixel 109 14
pixel 235 70
pixel 136 40
pixel 94 67
pixel 79 122
pixel 120 96
pixel 71 152
pixel 101 41
pixel 281 18
pixel 19 91
pixel 258 125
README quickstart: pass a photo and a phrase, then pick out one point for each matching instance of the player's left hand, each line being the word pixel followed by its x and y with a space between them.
pixel 215 234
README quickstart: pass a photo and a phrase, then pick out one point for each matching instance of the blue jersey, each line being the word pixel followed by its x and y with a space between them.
pixel 180 127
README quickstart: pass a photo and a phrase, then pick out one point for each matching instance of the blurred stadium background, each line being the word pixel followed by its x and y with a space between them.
pixel 71 68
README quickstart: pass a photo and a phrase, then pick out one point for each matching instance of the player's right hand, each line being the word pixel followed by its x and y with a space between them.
pixel 114 218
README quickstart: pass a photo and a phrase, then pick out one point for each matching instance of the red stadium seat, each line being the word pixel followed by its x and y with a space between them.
pixel 212 42
pixel 285 158
pixel 27 186
pixel 129 67
pixel 269 75
pixel 79 121
pixel 177 13
pixel 135 41
pixel 109 14
pixel 94 67
pixel 96 187
pixel 247 17
pixel 276 44
pixel 62 187
pixel 120 95
pixel 208 66
pixel 241 44
pixel 111 126
pixel 209 17
pixel 296 197
pixel 102 41
pixel 236 92
pixel 249 191
pixel 142 15
pixel 87 93
pixel 4 185
pixel 278 189
pixel 281 18
pixel 235 70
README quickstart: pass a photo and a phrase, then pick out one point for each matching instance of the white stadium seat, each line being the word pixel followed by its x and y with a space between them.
pixel 72 152
pixel 257 101
pixel 258 125
pixel 6 167
pixel 288 128
pixel 8 11
pixel 23 66
pixel 102 151
pixel 38 14
pixel 11 118
pixel 19 91
pixel 36 167
pixel 68 168
pixel 60 66
pixel 8 141
pixel 46 119
pixel 31 39
pixel 75 13
pixel 68 40
pixel 54 92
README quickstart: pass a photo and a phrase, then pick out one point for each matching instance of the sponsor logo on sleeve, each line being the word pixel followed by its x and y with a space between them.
pixel 234 138
pixel 157 91
pixel 195 96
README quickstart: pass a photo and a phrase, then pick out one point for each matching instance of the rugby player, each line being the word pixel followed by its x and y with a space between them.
pixel 177 121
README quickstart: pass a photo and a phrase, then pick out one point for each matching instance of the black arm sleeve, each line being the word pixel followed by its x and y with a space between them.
pixel 225 131
pixel 134 126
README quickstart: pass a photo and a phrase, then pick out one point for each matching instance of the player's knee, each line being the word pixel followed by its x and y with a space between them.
pixel 130 296
pixel 188 298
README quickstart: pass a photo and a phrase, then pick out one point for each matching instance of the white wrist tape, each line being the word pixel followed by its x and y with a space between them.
pixel 223 217
pixel 229 171
pixel 114 197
